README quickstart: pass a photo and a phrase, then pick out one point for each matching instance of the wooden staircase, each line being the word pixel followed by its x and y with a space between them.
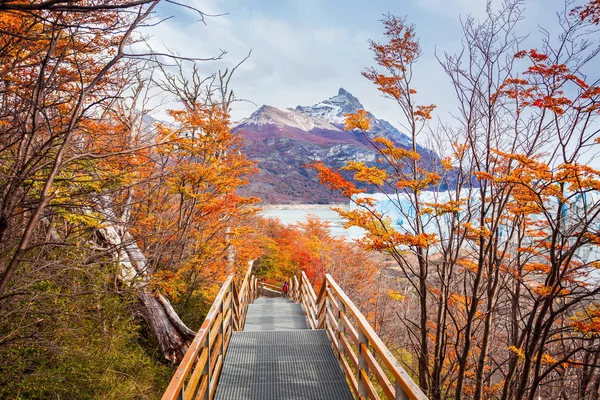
pixel 306 346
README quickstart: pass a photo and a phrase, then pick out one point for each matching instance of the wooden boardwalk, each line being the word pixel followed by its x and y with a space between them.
pixel 307 346
pixel 278 357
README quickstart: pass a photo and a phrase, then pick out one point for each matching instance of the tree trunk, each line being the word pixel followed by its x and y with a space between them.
pixel 170 331
pixel 171 340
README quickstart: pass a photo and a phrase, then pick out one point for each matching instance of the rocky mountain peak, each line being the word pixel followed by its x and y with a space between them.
pixel 334 108
pixel 269 115
pixel 283 141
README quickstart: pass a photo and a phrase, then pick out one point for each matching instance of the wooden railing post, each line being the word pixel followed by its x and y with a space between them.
pixel 206 370
pixel 298 290
pixel 222 327
pixel 362 365
pixel 341 312
pixel 326 309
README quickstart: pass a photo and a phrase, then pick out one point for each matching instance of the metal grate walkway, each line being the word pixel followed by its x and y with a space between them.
pixel 277 357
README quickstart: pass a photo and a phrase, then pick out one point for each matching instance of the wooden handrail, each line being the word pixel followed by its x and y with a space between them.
pixel 308 299
pixel 364 357
pixel 273 287
pixel 198 373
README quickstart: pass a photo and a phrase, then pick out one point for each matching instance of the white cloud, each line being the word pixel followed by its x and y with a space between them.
pixel 303 54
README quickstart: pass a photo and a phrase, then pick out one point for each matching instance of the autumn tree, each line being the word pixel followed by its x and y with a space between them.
pixel 56 69
pixel 80 164
pixel 393 77
pixel 309 247
pixel 503 264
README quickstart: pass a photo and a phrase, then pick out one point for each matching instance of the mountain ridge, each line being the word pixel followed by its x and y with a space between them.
pixel 283 141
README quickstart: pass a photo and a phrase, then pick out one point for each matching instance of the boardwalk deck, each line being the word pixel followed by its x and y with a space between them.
pixel 277 357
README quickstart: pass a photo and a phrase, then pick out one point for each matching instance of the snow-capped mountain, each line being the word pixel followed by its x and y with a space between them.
pixel 333 109
pixel 268 115
pixel 284 141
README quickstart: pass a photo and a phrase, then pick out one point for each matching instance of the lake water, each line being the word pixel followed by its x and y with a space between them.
pixel 297 214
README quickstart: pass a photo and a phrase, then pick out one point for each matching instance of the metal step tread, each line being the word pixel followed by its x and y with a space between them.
pixel 274 314
pixel 275 323
pixel 272 300
pixel 281 365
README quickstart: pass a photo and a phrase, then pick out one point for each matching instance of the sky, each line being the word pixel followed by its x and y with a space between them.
pixel 304 50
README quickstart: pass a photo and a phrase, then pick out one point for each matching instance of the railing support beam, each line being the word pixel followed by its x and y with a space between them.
pixel 362 364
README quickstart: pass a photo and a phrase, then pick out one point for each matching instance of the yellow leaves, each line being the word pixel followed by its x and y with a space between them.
pixel 397 153
pixel 365 201
pixel 483 175
pixel 468 264
pixel 448 207
pixel 578 177
pixel 363 173
pixel 389 85
pixel 381 235
pixel 423 240
pixel 447 163
pixel 543 291
pixel 395 295
pixel 396 55
pixel 593 238
pixel 548 359
pixel 168 283
pixel 459 149
pixel 587 321
pixel 537 267
pixel 423 113
pixel 517 351
pixel 473 232
pixel 358 120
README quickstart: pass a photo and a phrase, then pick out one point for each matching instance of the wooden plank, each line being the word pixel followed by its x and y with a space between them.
pixel 298 288
pixel 321 320
pixel 350 376
pixel 227 300
pixel 214 355
pixel 349 351
pixel 228 315
pixel 203 387
pixel 306 283
pixel 333 339
pixel 215 377
pixel 322 293
pixel 247 278
pixel 195 377
pixel 371 392
pixel 332 300
pixel 187 363
pixel 215 330
pixel 308 294
pixel 227 339
pixel 350 329
pixel 376 370
pixel 332 321
pixel 274 287
pixel 409 387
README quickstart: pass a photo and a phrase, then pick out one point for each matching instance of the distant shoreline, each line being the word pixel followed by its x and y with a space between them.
pixel 302 206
